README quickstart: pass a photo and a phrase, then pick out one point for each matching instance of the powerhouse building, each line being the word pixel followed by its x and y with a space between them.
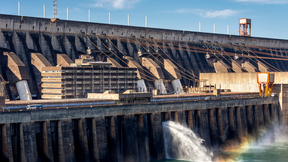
pixel 92 77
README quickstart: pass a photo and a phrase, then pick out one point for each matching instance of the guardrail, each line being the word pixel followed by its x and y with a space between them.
pixel 161 99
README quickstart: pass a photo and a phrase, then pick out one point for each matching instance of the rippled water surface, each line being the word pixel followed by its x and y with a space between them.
pixel 270 147
pixel 274 152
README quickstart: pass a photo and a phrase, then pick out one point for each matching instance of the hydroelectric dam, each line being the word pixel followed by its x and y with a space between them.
pixel 81 91
pixel 129 132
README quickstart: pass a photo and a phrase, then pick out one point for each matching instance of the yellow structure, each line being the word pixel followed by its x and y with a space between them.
pixel 265 82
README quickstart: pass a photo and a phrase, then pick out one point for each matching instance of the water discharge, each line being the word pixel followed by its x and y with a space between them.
pixel 182 143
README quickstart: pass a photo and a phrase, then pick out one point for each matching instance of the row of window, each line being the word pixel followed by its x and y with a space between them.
pixel 89 71
pixel 89 77
pixel 105 82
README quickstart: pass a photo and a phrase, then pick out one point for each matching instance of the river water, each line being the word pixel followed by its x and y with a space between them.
pixel 265 149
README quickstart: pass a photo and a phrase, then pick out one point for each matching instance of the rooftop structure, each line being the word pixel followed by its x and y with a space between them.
pixel 127 96
pixel 84 77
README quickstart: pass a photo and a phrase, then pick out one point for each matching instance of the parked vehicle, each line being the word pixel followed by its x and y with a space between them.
pixel 34 107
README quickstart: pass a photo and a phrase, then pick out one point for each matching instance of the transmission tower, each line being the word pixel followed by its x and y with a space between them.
pixel 55 8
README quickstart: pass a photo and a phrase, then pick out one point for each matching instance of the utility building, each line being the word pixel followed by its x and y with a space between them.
pixel 85 77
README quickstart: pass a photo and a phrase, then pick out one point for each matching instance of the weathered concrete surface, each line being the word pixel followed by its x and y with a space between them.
pixel 240 82
pixel 247 82
pixel 17 69
pixel 126 132
pixel 34 24
pixel 27 35
pixel 67 114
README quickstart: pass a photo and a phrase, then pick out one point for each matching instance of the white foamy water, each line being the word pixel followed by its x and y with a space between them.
pixel 182 143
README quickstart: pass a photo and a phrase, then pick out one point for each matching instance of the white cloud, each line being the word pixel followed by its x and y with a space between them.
pixel 116 4
pixel 210 14
pixel 265 1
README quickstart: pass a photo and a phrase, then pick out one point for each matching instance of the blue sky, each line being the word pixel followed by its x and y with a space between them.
pixel 269 17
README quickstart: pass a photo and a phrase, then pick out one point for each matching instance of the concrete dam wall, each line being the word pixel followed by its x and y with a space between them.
pixel 127 133
pixel 28 44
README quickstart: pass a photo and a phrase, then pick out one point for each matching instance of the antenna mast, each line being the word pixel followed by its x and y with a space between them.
pixel 55 8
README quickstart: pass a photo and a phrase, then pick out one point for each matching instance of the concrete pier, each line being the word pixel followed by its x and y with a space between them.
pixel 221 135
pixel 156 136
pixel 128 132
pixel 213 127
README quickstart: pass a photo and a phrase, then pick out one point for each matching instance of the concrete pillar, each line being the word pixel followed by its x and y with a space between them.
pixel 47 49
pixel 275 123
pixel 275 113
pixel 175 116
pixel 93 144
pixel 3 43
pixel 31 44
pixel 220 126
pixel 81 145
pixel 255 119
pixel 5 156
pixel 120 45
pixel 239 123
pixel 231 121
pixel 205 127
pixel 102 139
pixel 182 117
pixel 266 115
pixel 142 139
pixel 69 43
pixel 68 140
pixel 79 44
pixel 190 119
pixel 198 121
pixel 22 156
pixel 244 122
pixel 156 136
pixel 56 43
pixel 47 153
pixel 260 116
pixel 186 60
pixel 114 147
pixel 192 54
pixel 250 119
pixel 60 149
pixel 30 142
pixel 272 117
pixel 130 145
pixel 166 116
pixel 20 45
pixel 212 127
pixel 9 142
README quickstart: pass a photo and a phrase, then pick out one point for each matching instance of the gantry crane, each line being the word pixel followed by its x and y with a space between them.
pixel 244 25
pixel 265 82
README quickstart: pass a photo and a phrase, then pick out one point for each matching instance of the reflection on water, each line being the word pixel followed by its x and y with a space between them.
pixel 269 147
